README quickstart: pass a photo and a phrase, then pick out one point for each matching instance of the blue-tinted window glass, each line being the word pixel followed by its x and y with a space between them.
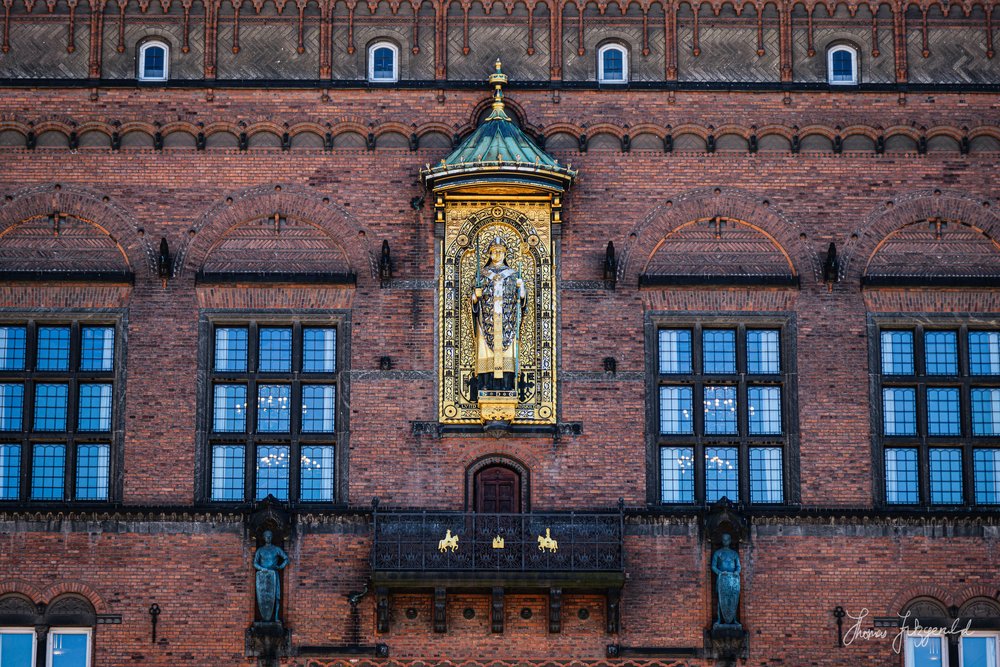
pixel 897 352
pixel 986 412
pixel 383 66
pixel 675 351
pixel 272 471
pixel 676 475
pixel 763 351
pixel 979 651
pixel 319 350
pixel 154 60
pixel 765 475
pixel 12 347
pixel 901 475
pixel 764 405
pixel 11 406
pixel 675 410
pixel 273 408
pixel 69 649
pixel 48 463
pixel 843 66
pixel 95 407
pixel 943 416
pixel 986 469
pixel 16 648
pixel 53 349
pixel 227 472
pixel 719 351
pixel 231 349
pixel 721 473
pixel 10 474
pixel 941 352
pixel 50 406
pixel 946 476
pixel 275 350
pixel 97 351
pixel 93 463
pixel 318 403
pixel 230 409
pixel 316 471
pixel 614 64
pixel 899 411
pixel 720 410
pixel 984 352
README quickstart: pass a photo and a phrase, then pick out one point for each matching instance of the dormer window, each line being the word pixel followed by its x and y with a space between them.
pixel 612 64
pixel 154 61
pixel 383 63
pixel 842 66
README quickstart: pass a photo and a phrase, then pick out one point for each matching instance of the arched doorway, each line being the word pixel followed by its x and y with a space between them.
pixel 497 490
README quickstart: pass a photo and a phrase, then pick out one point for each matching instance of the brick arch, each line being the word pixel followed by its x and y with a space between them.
pixel 646 238
pixel 910 208
pixel 497 459
pixel 903 598
pixel 109 218
pixel 78 588
pixel 298 202
pixel 22 588
pixel 968 593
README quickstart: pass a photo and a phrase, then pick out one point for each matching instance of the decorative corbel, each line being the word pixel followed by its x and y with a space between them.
pixel 385 265
pixel 613 611
pixel 496 610
pixel 163 261
pixel 831 267
pixel 382 610
pixel 555 610
pixel 440 609
pixel 610 265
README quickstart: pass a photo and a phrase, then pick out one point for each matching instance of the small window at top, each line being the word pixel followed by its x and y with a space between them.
pixel 843 66
pixel 153 61
pixel 612 64
pixel 383 62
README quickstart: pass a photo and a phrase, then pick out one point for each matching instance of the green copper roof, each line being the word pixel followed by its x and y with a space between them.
pixel 499 150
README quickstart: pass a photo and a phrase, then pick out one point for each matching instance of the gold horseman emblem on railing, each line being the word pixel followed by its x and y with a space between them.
pixel 547 543
pixel 449 542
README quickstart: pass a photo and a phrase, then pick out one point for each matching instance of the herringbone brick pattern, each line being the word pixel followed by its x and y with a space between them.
pixel 78 246
pixel 922 249
pixel 956 56
pixel 493 39
pixel 39 50
pixel 295 247
pixel 268 50
pixel 730 249
pixel 727 54
pixel 188 65
pixel 873 70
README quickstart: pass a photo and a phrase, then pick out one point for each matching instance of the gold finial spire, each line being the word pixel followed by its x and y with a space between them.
pixel 498 79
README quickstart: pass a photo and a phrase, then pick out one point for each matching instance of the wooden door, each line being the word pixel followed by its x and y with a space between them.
pixel 498 490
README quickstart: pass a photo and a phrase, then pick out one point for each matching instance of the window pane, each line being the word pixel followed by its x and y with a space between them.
pixel 382 63
pixel 153 62
pixel 16 648
pixel 719 350
pixel 901 475
pixel 272 471
pixel 50 407
pixel 763 352
pixel 47 472
pixel 12 346
pixel 843 69
pixel 924 651
pixel 10 473
pixel 231 349
pixel 765 410
pixel 897 353
pixel 98 349
pixel 95 407
pixel 675 410
pixel 319 350
pixel 614 65
pixel 11 406
pixel 986 411
pixel 676 475
pixel 92 465
pixel 946 476
pixel 275 350
pixel 765 475
pixel 227 472
pixel 317 467
pixel 986 467
pixel 941 352
pixel 943 415
pixel 899 411
pixel 979 651
pixel 273 411
pixel 230 413
pixel 720 410
pixel 721 473
pixel 318 408
pixel 69 649
pixel 984 352
pixel 53 348
pixel 675 351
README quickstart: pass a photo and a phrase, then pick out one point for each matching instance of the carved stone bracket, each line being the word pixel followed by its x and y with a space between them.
pixel 382 609
pixel 613 612
pixel 440 609
pixel 723 517
pixel 555 610
pixel 270 514
pixel 496 610
pixel 268 642
pixel 726 644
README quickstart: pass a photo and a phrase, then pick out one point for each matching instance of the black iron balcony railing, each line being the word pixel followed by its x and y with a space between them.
pixel 420 541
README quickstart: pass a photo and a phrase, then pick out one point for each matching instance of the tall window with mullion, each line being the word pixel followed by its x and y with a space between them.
pixel 937 395
pixel 272 411
pixel 58 390
pixel 723 426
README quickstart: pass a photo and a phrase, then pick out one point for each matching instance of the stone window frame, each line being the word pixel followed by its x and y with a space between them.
pixel 152 42
pixel 918 323
pixel 50 635
pixel 370 68
pixel 298 320
pixel 786 323
pixel 604 48
pixel 855 54
pixel 72 437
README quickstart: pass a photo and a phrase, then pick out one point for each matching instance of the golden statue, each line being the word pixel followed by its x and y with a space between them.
pixel 498 303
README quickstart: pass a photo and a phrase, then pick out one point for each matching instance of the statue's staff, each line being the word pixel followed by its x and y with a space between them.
pixel 479 264
pixel 517 328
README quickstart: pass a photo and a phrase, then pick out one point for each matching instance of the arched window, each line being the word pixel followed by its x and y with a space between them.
pixel 383 62
pixel 154 61
pixel 612 64
pixel 842 66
